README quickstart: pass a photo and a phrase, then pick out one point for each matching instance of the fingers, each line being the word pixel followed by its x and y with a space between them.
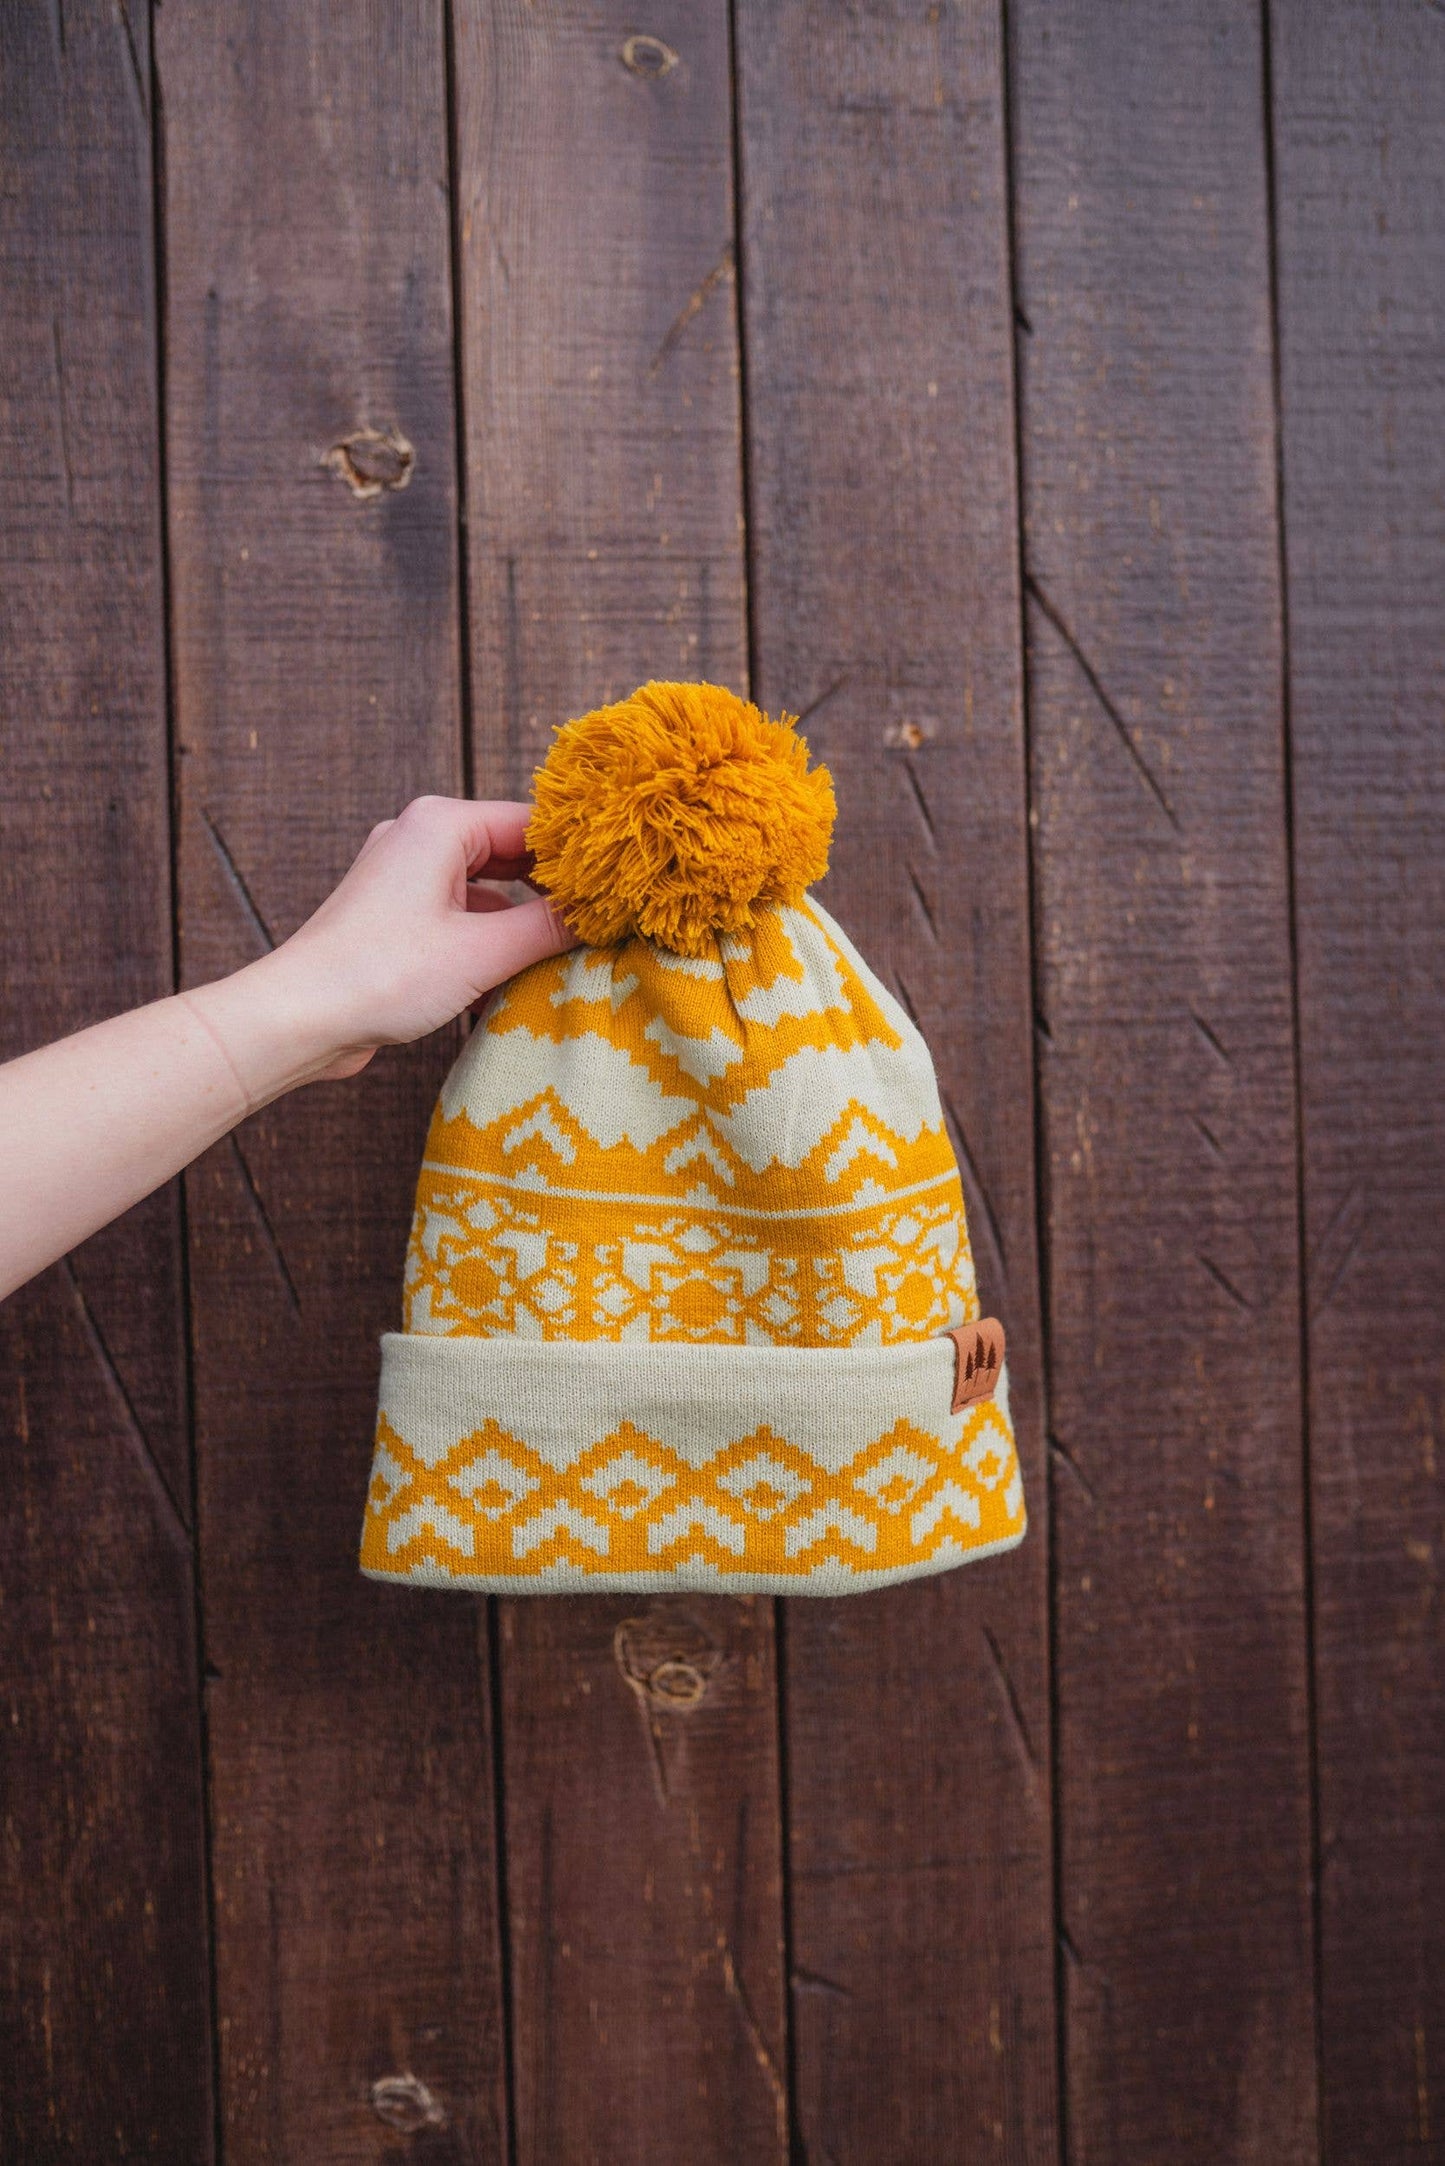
pixel 481 898
pixel 505 828
pixel 488 832
pixel 374 836
pixel 503 868
pixel 507 940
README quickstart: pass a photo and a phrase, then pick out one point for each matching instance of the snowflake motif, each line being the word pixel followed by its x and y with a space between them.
pixel 495 1263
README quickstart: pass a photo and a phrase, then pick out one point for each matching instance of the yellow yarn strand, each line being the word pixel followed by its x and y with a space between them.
pixel 677 814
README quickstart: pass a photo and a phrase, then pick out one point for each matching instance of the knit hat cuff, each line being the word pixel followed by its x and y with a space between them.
pixel 524 1466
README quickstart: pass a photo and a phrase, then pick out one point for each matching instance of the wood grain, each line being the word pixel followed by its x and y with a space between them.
pixel 104 2018
pixel 1360 178
pixel 409 530
pixel 643 1869
pixel 317 674
pixel 886 608
pixel 604 522
pixel 1163 955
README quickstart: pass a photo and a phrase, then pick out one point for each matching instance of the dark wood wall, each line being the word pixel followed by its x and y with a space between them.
pixel 1046 399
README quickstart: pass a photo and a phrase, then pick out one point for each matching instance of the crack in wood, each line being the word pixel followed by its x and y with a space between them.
pixel 962 1146
pixel 733 1987
pixel 647 1716
pixel 693 306
pixel 1318 1307
pixel 135 67
pixel 1011 1702
pixel 811 1981
pixel 1221 1280
pixel 923 904
pixel 921 801
pixel 1071 1953
pixel 238 885
pixel 1350 1205
pixel 172 1515
pixel 1350 1196
pixel 732 1982
pixel 1066 1458
pixel 1210 1037
pixel 263 1219
pixel 1209 1136
pixel 1095 684
pixel 822 700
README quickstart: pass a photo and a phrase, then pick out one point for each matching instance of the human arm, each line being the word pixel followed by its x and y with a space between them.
pixel 410 937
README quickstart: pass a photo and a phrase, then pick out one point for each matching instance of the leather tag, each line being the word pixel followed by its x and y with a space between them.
pixel 978 1357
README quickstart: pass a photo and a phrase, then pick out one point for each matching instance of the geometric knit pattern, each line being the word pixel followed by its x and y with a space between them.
pixel 774 1186
pixel 631 1505
pixel 488 1259
pixel 740 1150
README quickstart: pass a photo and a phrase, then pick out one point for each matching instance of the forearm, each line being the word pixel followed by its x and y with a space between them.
pixel 90 1125
pixel 416 931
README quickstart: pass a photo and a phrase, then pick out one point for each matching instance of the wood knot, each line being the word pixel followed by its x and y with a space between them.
pixel 648 57
pixel 666 1657
pixel 677 1682
pixel 405 2103
pixel 371 460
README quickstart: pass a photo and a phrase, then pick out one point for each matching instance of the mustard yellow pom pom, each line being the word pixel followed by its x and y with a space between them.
pixel 677 814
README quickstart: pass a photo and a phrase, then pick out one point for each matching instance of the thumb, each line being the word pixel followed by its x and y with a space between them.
pixel 506 941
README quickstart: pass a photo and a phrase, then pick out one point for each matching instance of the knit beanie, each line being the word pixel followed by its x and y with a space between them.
pixel 689 1301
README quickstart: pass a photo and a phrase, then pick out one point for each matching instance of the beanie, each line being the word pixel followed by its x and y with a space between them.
pixel 689 1301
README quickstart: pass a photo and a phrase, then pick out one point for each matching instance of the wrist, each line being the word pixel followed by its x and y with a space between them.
pixel 272 1033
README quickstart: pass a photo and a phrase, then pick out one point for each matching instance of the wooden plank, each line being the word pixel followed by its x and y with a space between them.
pixel 604 507
pixel 643 1872
pixel 104 2033
pixel 886 605
pixel 1360 181
pixel 317 676
pixel 1167 1081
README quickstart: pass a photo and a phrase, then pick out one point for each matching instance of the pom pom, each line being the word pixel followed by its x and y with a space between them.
pixel 677 814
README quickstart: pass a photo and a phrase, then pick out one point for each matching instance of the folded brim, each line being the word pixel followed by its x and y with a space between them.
pixel 521 1466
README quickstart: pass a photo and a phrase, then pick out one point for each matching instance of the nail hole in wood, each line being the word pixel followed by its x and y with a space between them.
pixel 405 2103
pixel 372 460
pixel 648 57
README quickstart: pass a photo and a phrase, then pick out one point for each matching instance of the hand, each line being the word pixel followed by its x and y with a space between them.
pixel 413 934
pixel 411 937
